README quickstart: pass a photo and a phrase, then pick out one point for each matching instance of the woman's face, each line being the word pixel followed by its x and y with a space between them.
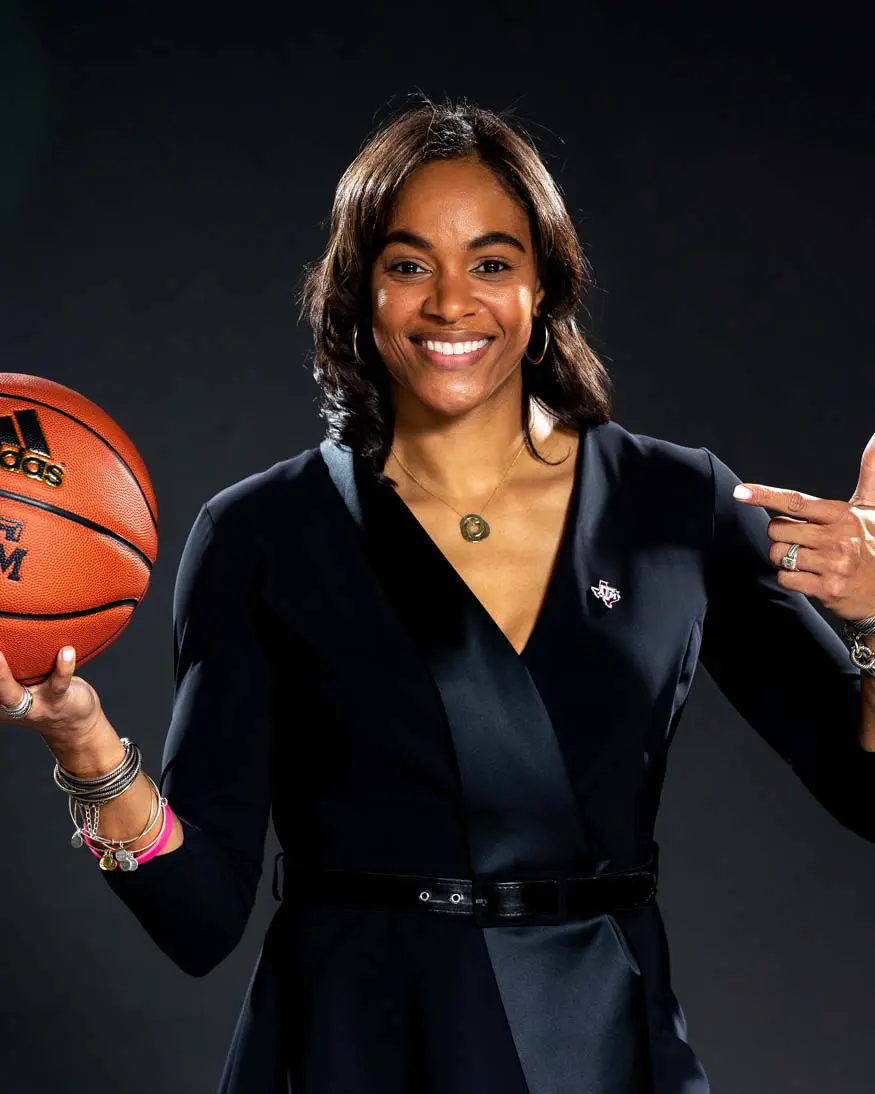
pixel 457 273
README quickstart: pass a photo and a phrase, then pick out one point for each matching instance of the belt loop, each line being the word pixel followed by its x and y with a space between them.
pixel 277 862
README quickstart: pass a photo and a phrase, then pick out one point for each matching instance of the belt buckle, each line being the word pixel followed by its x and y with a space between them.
pixel 484 918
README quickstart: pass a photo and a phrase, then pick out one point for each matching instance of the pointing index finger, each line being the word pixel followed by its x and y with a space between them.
pixel 792 503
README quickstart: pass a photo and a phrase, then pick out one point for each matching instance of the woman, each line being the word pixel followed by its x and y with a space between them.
pixel 454 642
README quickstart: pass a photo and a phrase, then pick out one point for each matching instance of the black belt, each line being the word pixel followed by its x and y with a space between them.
pixel 540 898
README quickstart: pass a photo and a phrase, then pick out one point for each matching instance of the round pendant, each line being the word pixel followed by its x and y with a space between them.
pixel 474 527
pixel 108 861
pixel 76 839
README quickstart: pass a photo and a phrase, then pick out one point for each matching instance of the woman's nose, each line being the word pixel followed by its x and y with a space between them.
pixel 450 297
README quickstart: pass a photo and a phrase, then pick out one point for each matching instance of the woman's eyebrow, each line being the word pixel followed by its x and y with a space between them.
pixel 491 238
pixel 488 239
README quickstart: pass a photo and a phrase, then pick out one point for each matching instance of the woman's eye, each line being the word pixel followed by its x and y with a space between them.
pixel 406 262
pixel 493 262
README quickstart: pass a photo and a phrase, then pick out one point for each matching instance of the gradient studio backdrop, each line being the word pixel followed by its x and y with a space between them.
pixel 166 173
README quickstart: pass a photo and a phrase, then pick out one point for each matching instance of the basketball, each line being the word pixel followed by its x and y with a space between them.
pixel 78 526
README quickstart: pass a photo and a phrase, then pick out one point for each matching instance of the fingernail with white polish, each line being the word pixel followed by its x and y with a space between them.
pixel 742 492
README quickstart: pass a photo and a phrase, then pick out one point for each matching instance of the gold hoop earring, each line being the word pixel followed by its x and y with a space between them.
pixel 532 360
pixel 355 348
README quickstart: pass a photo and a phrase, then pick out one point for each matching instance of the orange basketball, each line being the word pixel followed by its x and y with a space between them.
pixel 78 526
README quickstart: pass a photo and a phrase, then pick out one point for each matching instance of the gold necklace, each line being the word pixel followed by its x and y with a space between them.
pixel 473 526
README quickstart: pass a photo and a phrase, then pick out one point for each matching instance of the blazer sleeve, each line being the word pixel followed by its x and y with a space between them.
pixel 781 665
pixel 195 901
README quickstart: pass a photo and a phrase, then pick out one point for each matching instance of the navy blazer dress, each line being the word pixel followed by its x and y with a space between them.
pixel 333 668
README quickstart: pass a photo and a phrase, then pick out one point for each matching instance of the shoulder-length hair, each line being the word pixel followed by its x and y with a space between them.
pixel 571 382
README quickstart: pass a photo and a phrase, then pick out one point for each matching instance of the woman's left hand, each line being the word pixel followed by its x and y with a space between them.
pixel 836 561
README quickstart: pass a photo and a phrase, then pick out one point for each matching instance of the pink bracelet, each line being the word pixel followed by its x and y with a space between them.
pixel 161 843
pixel 162 839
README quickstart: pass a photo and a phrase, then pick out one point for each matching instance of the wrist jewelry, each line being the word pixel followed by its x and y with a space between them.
pixel 115 851
pixel 130 860
pixel 861 654
pixel 88 795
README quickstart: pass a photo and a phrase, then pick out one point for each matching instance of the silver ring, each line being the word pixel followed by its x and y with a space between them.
pixel 789 560
pixel 23 708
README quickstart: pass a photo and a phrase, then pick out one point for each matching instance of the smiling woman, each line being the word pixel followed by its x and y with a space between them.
pixel 426 289
pixel 448 213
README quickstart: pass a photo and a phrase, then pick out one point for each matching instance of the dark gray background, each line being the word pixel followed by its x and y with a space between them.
pixel 166 171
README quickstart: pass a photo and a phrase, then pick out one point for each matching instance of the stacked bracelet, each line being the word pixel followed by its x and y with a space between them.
pixel 88 795
pixel 130 860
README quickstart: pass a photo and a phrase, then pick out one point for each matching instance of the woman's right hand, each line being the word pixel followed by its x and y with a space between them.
pixel 66 709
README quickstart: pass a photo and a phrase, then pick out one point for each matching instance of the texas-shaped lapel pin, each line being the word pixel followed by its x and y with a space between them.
pixel 606 593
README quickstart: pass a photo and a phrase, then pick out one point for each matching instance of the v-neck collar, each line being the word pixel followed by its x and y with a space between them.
pixel 564 548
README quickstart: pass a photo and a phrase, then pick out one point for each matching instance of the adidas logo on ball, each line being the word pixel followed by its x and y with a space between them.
pixel 24 449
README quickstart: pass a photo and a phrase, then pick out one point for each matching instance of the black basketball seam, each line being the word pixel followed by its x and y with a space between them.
pixel 91 429
pixel 68 515
pixel 71 615
pixel 91 653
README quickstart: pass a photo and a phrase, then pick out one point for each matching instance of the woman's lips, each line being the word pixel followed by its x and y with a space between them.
pixel 454 361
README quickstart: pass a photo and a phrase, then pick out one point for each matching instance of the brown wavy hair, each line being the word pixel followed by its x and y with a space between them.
pixel 571 381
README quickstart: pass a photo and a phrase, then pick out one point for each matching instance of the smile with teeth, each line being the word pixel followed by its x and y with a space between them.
pixel 451 349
